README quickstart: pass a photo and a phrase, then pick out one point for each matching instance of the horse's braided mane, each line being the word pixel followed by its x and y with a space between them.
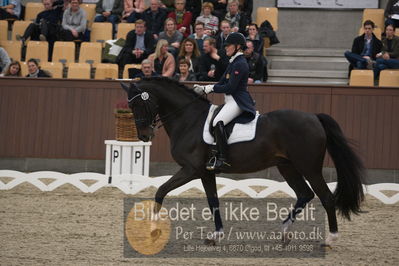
pixel 175 83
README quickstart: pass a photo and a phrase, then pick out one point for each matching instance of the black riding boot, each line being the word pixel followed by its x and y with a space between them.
pixel 219 162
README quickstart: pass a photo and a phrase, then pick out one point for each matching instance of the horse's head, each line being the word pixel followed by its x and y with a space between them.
pixel 144 108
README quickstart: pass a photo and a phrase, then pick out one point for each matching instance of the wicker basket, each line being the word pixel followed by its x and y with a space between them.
pixel 125 128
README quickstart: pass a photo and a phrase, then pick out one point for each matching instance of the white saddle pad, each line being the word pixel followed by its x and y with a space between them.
pixel 241 132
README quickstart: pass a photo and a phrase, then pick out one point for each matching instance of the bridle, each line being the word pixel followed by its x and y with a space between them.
pixel 157 119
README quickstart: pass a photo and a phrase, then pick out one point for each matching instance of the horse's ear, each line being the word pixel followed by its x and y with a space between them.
pixel 125 86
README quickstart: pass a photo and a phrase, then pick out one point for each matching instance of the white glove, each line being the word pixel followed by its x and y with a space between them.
pixel 198 89
pixel 201 90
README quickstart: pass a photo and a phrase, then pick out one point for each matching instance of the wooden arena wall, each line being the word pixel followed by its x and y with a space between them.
pixel 70 119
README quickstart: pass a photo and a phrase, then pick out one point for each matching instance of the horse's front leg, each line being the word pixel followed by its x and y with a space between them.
pixel 209 183
pixel 183 176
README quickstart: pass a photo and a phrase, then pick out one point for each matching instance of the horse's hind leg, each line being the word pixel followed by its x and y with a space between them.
pixel 209 183
pixel 321 189
pixel 303 192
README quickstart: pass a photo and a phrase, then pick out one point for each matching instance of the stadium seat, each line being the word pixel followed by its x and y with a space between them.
pixel 389 78
pixel 3 30
pixel 37 50
pixel 64 52
pixel 376 15
pixel 90 12
pixel 24 68
pixel 19 27
pixel 13 49
pixel 78 71
pixel 360 77
pixel 377 32
pixel 267 13
pixel 124 28
pixel 32 9
pixel 126 69
pixel 101 32
pixel 106 71
pixel 90 52
pixel 55 68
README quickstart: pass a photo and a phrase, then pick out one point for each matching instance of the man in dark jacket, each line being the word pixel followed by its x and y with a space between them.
pixel 45 26
pixel 364 49
pixel 212 63
pixel 391 13
pixel 155 17
pixel 256 64
pixel 138 46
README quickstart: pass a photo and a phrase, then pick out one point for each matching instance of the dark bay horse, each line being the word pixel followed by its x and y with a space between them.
pixel 294 141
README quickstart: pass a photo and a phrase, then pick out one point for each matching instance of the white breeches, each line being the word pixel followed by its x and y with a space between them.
pixel 229 111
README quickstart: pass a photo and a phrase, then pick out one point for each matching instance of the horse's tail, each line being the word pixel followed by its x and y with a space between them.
pixel 350 170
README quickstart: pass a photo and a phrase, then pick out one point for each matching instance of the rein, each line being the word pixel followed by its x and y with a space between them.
pixel 145 96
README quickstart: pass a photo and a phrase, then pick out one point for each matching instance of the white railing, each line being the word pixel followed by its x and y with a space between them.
pixel 132 184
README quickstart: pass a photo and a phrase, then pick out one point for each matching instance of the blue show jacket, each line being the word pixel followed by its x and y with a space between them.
pixel 234 82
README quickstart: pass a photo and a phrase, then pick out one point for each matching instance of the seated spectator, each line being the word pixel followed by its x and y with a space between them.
pixel 389 55
pixel 172 36
pixel 238 21
pixel 391 13
pixel 364 49
pixel 138 46
pixel 246 7
pixel 35 71
pixel 74 22
pixel 212 63
pixel 199 36
pixel 210 21
pixel 253 35
pixel 154 17
pixel 256 62
pixel 194 6
pixel 221 36
pixel 189 50
pixel 182 18
pixel 45 26
pixel 110 11
pixel 13 70
pixel 169 5
pixel 133 10
pixel 145 72
pixel 4 59
pixel 219 8
pixel 162 61
pixel 184 73
pixel 10 9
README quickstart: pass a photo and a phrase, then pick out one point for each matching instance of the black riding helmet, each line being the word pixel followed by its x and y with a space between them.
pixel 235 38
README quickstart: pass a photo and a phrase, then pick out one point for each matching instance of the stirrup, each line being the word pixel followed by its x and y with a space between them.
pixel 216 164
pixel 211 165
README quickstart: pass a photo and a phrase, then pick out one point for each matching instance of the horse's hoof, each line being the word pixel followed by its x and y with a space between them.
pixel 155 234
pixel 326 246
pixel 210 242
pixel 286 240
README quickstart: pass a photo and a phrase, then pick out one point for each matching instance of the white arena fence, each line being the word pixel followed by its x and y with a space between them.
pixel 132 184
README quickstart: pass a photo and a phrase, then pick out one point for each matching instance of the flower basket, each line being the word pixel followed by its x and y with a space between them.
pixel 125 128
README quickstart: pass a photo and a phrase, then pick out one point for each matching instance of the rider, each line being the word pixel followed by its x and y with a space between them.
pixel 237 99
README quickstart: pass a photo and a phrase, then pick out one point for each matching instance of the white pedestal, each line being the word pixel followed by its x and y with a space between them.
pixel 125 157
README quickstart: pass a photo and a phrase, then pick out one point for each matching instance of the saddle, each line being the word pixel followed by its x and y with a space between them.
pixel 236 132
